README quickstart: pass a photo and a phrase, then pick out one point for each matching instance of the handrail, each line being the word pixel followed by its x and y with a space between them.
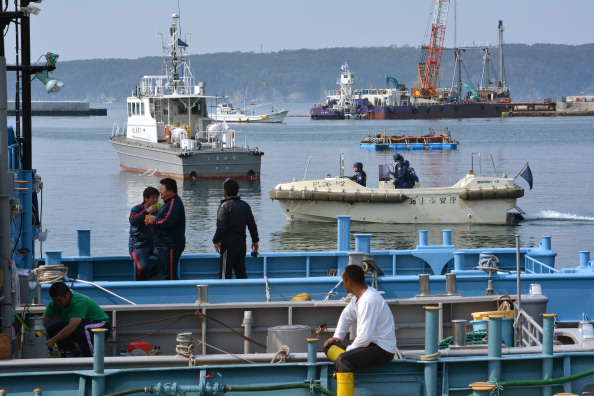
pixel 533 266
pixel 13 157
pixel 116 130
pixel 528 332
pixel 341 164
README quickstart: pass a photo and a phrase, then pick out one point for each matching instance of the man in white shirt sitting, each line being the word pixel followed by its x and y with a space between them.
pixel 375 341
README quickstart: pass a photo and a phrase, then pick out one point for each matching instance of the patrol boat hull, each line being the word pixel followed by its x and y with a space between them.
pixel 473 199
pixel 162 159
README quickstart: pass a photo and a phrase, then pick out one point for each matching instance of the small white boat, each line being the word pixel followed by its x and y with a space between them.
pixel 474 199
pixel 229 113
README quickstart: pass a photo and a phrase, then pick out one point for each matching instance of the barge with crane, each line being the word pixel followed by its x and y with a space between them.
pixel 427 100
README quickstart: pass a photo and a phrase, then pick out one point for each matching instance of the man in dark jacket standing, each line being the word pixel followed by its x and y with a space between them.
pixel 141 242
pixel 233 216
pixel 170 229
pixel 398 171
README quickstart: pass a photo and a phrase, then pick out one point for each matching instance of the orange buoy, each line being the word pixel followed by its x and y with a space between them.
pixel 167 132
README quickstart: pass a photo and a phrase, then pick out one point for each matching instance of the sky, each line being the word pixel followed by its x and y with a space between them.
pixel 99 29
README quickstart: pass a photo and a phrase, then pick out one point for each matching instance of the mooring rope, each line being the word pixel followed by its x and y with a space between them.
pixel 281 355
pixel 52 273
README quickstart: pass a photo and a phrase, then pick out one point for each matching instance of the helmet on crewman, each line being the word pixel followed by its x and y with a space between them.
pixel 398 157
pixel 358 165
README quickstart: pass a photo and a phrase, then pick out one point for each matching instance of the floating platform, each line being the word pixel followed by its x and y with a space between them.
pixel 431 141
pixel 60 109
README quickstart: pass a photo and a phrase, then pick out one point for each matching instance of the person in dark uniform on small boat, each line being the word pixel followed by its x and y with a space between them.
pixel 410 176
pixel 170 230
pixel 233 216
pixel 360 176
pixel 141 242
pixel 398 171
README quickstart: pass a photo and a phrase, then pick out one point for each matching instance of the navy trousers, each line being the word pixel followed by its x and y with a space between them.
pixel 144 268
pixel 233 259
pixel 82 335
pixel 169 262
pixel 359 358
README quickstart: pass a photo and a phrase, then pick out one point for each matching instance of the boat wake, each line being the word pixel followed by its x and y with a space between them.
pixel 554 215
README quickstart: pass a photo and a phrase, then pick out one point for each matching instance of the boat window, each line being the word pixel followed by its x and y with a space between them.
pixel 196 108
pixel 129 109
pixel 142 108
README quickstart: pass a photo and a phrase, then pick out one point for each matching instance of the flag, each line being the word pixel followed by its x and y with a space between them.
pixel 526 174
pixel 180 43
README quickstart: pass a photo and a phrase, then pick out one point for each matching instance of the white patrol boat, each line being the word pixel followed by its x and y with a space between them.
pixel 168 131
pixel 475 199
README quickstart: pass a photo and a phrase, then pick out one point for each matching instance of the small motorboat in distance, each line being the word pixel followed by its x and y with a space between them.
pixel 231 114
pixel 474 199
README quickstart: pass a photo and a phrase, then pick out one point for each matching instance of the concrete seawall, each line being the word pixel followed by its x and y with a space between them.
pixel 61 108
pixel 571 107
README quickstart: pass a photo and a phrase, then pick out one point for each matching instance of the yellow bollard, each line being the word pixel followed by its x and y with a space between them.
pixel 345 384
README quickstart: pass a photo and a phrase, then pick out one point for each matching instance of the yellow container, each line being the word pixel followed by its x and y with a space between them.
pixel 485 314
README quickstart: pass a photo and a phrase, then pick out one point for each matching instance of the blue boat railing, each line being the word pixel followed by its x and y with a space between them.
pixel 534 266
pixel 425 258
pixel 13 158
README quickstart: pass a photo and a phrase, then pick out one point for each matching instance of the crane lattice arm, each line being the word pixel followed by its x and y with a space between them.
pixel 429 66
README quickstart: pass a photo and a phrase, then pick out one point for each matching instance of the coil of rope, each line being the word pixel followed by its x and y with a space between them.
pixel 185 348
pixel 281 355
pixel 50 273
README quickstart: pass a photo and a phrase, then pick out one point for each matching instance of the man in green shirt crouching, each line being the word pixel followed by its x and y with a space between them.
pixel 70 316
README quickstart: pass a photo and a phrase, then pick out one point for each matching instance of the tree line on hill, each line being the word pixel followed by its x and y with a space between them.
pixel 532 72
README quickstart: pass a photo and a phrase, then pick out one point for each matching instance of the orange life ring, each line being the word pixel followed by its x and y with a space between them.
pixel 167 134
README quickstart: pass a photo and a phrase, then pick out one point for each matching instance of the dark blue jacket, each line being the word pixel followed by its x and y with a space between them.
pixel 233 216
pixel 399 172
pixel 360 178
pixel 410 177
pixel 170 224
pixel 141 235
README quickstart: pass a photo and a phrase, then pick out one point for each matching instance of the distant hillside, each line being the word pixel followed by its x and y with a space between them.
pixel 533 72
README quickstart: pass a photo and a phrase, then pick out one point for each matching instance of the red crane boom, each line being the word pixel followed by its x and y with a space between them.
pixel 431 58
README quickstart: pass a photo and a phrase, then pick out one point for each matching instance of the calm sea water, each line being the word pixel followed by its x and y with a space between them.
pixel 85 189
